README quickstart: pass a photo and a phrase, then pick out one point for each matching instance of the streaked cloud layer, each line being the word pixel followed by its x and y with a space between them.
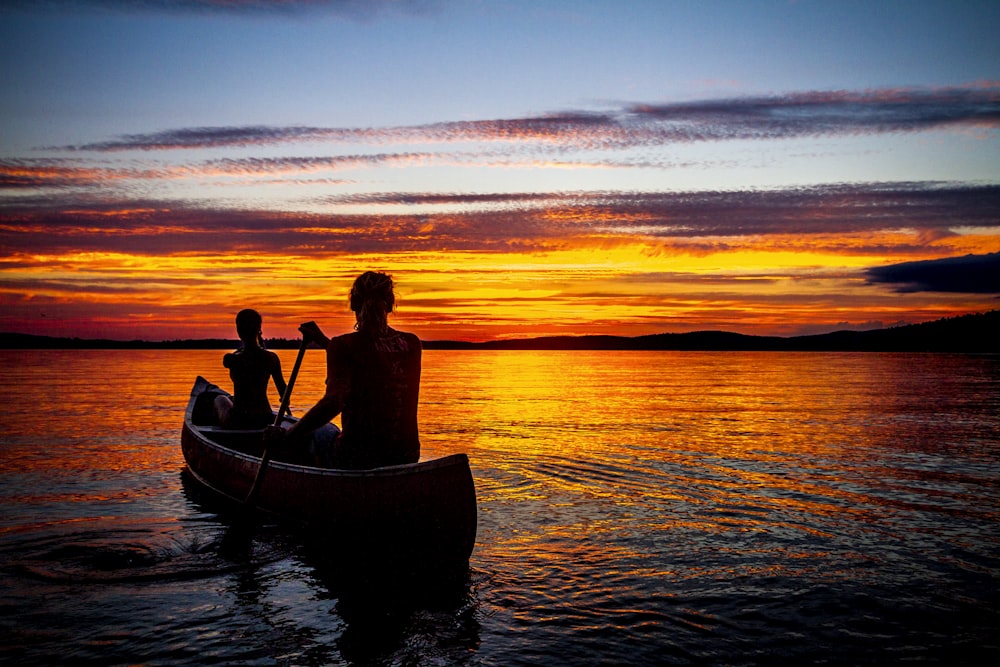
pixel 810 114
pixel 822 216
pixel 786 212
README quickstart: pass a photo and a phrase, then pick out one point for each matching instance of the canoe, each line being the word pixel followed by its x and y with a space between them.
pixel 421 514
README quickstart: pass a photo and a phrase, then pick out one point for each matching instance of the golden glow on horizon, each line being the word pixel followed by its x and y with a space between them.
pixel 626 286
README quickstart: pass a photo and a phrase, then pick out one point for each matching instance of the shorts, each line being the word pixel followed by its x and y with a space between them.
pixel 323 445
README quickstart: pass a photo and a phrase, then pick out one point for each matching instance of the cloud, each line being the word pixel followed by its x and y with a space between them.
pixel 972 274
pixel 267 166
pixel 931 208
pixel 212 137
pixel 437 198
pixel 836 208
pixel 57 173
pixel 24 175
pixel 834 112
pixel 794 115
pixel 811 113
pixel 697 221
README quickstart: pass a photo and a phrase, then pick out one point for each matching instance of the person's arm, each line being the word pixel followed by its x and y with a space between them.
pixel 318 415
pixel 328 407
pixel 312 333
pixel 279 379
pixel 322 413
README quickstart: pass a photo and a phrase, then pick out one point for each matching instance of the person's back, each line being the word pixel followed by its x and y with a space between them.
pixel 250 369
pixel 372 381
pixel 380 380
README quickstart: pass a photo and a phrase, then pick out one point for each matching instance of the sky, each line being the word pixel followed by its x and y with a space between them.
pixel 573 167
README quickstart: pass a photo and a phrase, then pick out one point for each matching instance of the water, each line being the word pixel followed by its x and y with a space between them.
pixel 634 508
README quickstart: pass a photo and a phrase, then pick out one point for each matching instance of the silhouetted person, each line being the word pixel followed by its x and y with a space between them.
pixel 250 368
pixel 373 382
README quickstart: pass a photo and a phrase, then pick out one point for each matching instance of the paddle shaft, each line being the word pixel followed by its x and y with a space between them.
pixel 282 409
pixel 286 399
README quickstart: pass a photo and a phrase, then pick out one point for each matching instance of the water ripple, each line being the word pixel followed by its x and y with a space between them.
pixel 104 552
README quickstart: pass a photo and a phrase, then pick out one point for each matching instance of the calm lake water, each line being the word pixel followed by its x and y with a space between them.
pixel 634 509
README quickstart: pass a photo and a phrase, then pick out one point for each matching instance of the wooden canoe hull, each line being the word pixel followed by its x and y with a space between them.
pixel 424 511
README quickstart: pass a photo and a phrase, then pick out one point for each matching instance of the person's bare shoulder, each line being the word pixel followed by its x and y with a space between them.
pixel 343 341
pixel 412 340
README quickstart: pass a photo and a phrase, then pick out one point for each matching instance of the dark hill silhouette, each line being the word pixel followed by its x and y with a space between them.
pixel 967 333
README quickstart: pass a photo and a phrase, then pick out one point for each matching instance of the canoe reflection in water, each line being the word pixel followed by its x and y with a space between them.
pixel 374 618
pixel 413 519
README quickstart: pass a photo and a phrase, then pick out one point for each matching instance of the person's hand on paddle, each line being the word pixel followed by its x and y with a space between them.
pixel 313 334
pixel 274 436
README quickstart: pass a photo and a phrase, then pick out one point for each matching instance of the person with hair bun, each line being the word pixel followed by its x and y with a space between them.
pixel 250 368
pixel 373 382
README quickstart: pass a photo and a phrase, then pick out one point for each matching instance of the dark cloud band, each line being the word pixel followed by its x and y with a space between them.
pixel 971 274
pixel 494 222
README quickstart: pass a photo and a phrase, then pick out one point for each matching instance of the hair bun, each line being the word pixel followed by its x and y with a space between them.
pixel 372 299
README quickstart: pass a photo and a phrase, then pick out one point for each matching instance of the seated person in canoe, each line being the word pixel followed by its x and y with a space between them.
pixel 373 382
pixel 250 368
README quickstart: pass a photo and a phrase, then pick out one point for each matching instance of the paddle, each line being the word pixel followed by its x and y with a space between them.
pixel 282 409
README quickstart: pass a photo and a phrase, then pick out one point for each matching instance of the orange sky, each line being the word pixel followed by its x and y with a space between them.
pixel 586 282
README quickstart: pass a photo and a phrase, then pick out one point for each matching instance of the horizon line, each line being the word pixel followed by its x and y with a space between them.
pixel 4 335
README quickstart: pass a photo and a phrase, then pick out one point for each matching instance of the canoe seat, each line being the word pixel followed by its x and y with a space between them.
pixel 204 408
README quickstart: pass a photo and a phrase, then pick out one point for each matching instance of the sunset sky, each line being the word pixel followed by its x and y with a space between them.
pixel 521 168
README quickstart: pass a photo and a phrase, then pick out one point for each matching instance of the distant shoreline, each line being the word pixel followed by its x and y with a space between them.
pixel 967 333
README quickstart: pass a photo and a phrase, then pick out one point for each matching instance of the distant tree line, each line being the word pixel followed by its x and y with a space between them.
pixel 967 333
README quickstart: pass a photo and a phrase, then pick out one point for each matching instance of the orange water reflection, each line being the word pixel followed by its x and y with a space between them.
pixel 604 454
pixel 603 459
pixel 646 508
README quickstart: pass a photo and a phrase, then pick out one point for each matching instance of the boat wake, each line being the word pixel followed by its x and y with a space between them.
pixel 127 556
